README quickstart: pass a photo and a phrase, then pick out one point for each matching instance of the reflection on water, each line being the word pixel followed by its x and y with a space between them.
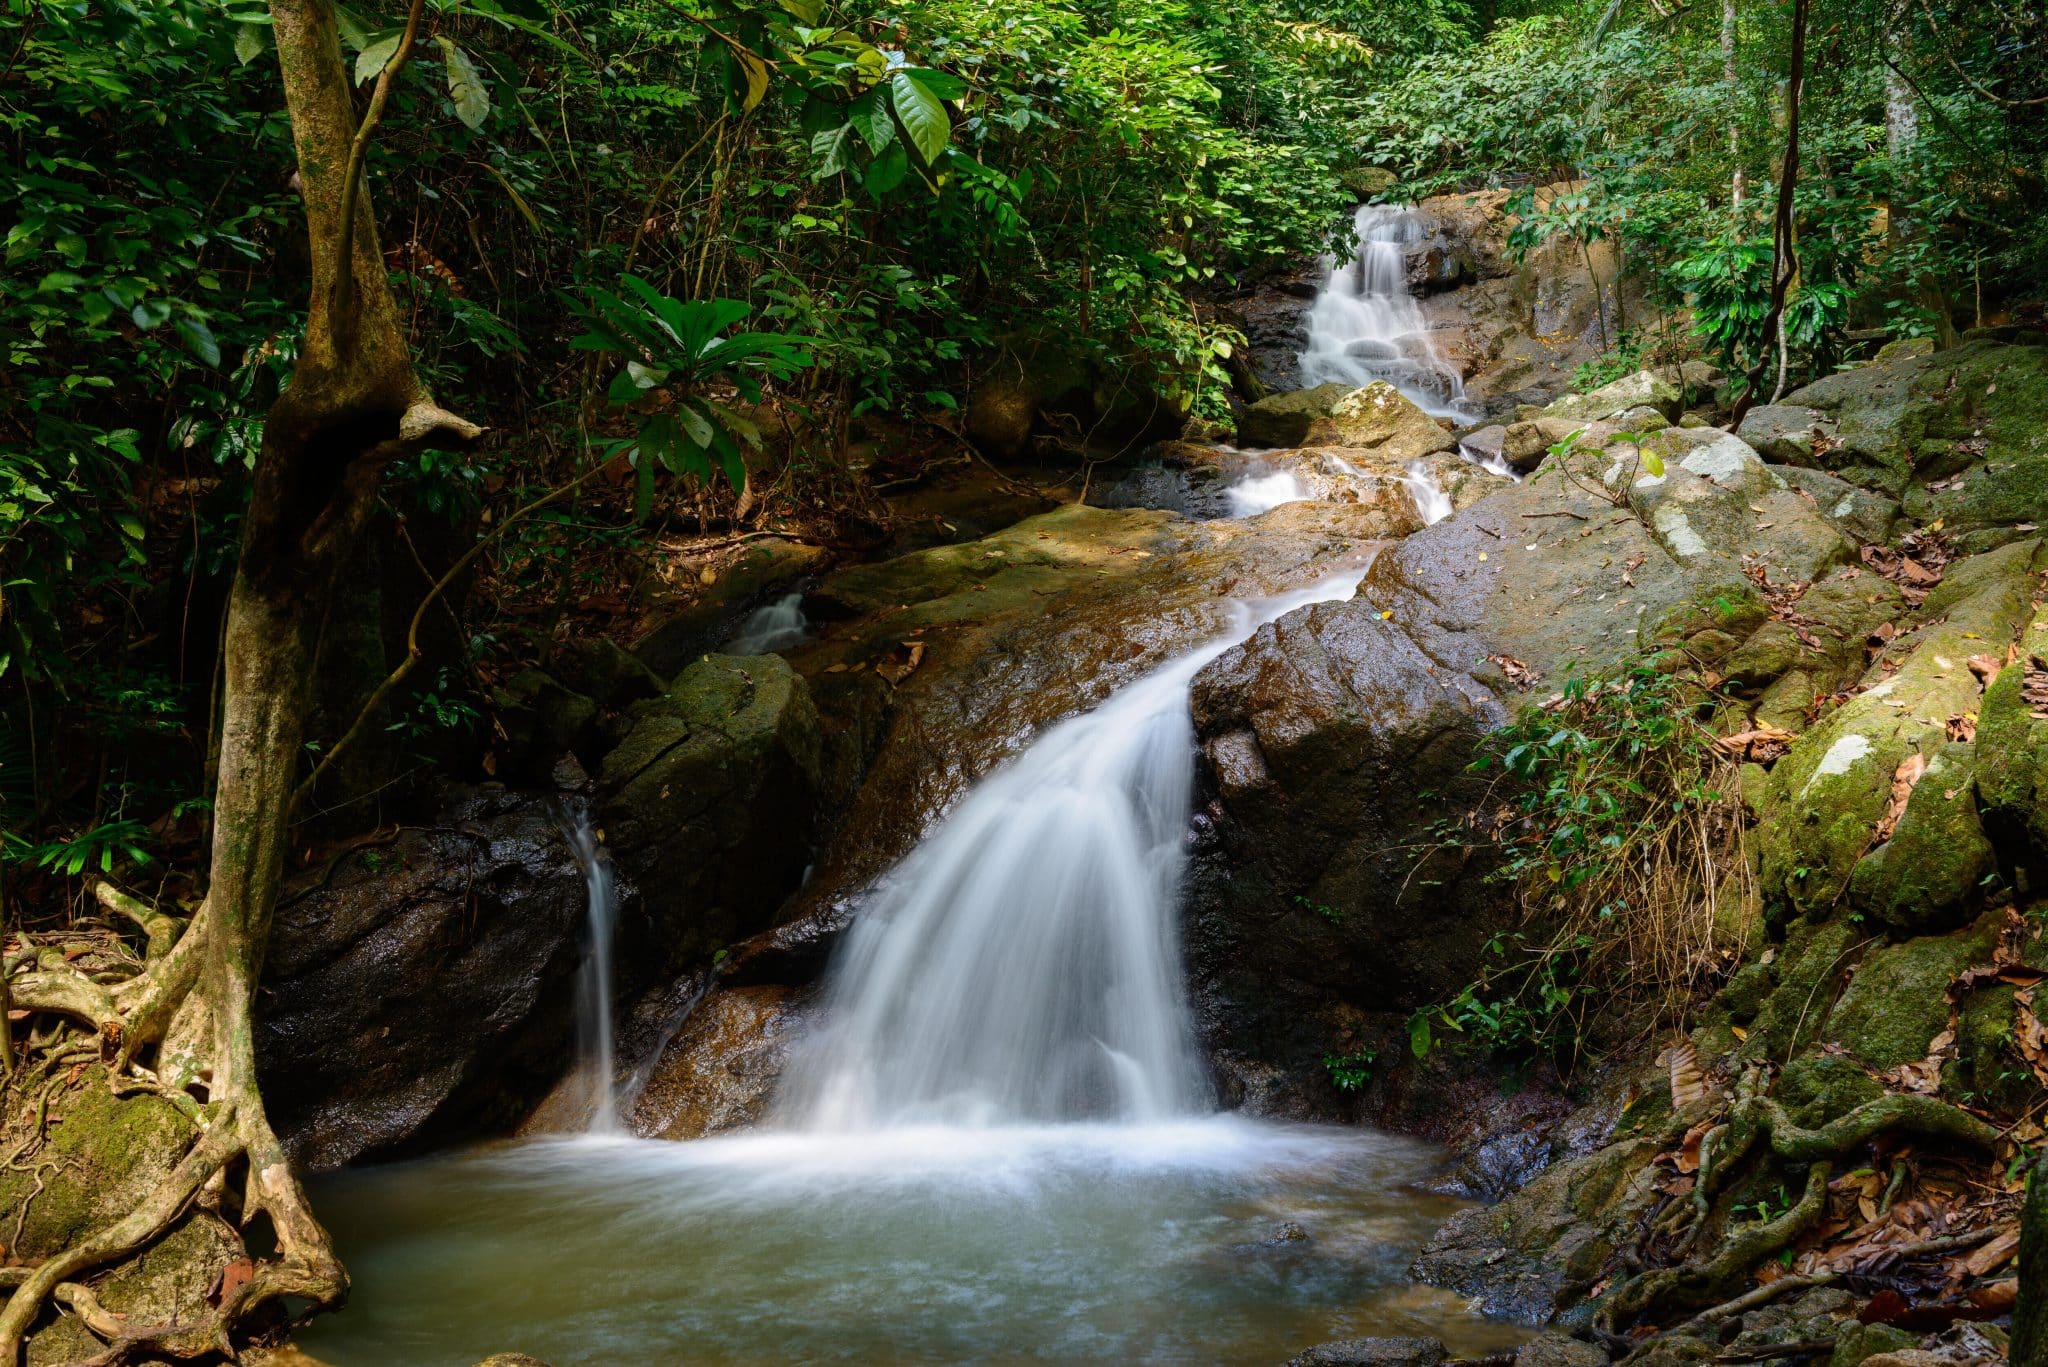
pixel 1064 1243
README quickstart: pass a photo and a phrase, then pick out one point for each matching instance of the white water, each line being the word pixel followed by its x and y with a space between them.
pixel 594 978
pixel 772 626
pixel 1365 326
pixel 1493 462
pixel 1431 501
pixel 1263 490
pixel 1021 965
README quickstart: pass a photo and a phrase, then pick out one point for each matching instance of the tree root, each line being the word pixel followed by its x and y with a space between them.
pixel 219 1145
pixel 1703 1282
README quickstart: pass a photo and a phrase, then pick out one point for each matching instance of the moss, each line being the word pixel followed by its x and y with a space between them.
pixel 1746 992
pixel 1860 1341
pixel 1819 1088
pixel 1898 1000
pixel 2012 750
pixel 103 1155
pixel 1808 967
pixel 1927 875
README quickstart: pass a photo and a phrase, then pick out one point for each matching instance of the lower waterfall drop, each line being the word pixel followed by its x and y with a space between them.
pixel 594 979
pixel 1021 965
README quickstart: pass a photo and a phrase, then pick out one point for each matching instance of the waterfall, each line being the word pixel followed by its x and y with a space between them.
pixel 1431 501
pixel 1022 965
pixel 772 626
pixel 1365 326
pixel 594 978
pixel 1262 490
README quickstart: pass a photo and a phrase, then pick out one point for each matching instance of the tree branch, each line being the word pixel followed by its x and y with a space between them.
pixel 351 191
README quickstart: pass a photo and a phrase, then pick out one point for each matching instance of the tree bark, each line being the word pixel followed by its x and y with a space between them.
pixel 1784 235
pixel 1733 79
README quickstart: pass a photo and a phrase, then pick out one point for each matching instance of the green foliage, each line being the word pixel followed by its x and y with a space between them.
pixel 1606 804
pixel 1350 1072
pixel 678 347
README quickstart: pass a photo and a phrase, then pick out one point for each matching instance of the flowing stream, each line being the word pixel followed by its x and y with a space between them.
pixel 998 1146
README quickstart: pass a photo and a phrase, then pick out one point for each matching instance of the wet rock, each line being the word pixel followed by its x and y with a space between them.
pixel 1284 420
pixel 2012 752
pixel 418 989
pixel 1559 1350
pixel 684 627
pixel 1379 420
pixel 1539 1251
pixel 719 1071
pixel 1386 1352
pixel 708 803
pixel 543 720
pixel 1859 1343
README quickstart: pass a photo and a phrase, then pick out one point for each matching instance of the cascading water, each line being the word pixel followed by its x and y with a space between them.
pixel 772 626
pixel 1262 490
pixel 594 979
pixel 1431 501
pixel 1021 965
pixel 1365 326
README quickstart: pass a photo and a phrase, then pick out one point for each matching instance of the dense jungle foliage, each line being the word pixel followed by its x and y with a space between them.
pixel 806 229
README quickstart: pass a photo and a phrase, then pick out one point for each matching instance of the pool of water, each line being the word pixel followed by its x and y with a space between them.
pixel 1062 1243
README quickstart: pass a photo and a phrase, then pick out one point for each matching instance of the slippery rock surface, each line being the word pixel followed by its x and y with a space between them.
pixel 719 1071
pixel 418 990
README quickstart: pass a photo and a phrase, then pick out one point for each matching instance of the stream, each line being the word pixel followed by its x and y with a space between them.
pixel 996 1142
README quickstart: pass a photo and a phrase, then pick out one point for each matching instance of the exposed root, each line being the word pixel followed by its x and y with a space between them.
pixel 220 1144
pixel 1703 1282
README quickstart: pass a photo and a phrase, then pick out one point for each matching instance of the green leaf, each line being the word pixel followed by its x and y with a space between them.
pixel 466 85
pixel 926 125
pixel 943 84
pixel 1654 463
pixel 377 54
pixel 871 117
pixel 250 40
pixel 1419 1038
pixel 888 170
pixel 833 150
pixel 198 338
pixel 755 72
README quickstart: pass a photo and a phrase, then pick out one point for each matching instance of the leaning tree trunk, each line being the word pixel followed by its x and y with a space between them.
pixel 354 404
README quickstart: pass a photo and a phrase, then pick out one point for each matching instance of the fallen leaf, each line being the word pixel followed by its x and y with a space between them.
pixel 1903 778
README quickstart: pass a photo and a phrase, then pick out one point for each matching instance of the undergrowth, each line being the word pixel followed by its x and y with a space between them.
pixel 1613 819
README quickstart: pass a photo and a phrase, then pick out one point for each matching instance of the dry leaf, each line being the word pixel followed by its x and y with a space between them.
pixel 1688 1083
pixel 1903 778
pixel 906 657
pixel 1993 1255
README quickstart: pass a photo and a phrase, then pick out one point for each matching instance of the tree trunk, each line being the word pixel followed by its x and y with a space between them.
pixel 1733 79
pixel 2030 1314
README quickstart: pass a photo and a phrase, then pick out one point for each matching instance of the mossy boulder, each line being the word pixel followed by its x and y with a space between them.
pixel 1897 1000
pixel 1928 875
pixel 1818 1088
pixel 1644 389
pixel 1809 967
pixel 1858 1343
pixel 1789 433
pixel 1828 793
pixel 1285 420
pixel 1959 435
pixel 103 1154
pixel 1380 420
pixel 2012 753
pixel 1864 515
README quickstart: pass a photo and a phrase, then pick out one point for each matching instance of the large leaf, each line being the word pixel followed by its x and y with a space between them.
pixel 943 84
pixel 922 114
pixel 833 150
pixel 377 54
pixel 755 73
pixel 250 40
pixel 466 86
pixel 888 170
pixel 871 117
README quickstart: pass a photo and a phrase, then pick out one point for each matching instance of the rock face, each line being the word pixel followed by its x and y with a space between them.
pixel 420 991
pixel 719 1071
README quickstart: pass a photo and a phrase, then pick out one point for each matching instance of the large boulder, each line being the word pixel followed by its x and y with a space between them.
pixel 1644 389
pixel 418 989
pixel 1380 419
pixel 1283 420
pixel 1958 436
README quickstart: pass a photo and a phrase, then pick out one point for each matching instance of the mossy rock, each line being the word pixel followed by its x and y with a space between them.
pixel 1285 420
pixel 1858 1342
pixel 1898 1000
pixel 1745 994
pixel 104 1154
pixel 1928 875
pixel 1808 966
pixel 2012 752
pixel 1831 789
pixel 1818 1088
